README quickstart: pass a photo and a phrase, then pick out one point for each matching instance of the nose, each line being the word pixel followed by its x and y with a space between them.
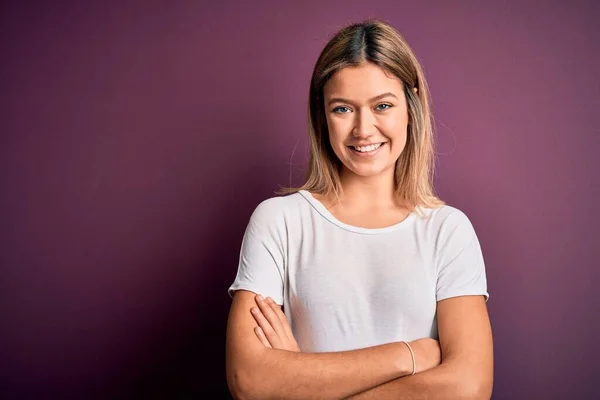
pixel 364 124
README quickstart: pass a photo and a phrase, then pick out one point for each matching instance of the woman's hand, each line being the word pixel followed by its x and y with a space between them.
pixel 427 353
pixel 273 328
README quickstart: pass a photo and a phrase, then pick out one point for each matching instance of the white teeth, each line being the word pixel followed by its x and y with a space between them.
pixel 369 148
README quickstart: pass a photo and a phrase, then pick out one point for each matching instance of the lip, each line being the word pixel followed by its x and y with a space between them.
pixel 367 144
pixel 371 154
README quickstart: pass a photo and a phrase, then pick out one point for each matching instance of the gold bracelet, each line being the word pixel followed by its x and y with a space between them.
pixel 412 354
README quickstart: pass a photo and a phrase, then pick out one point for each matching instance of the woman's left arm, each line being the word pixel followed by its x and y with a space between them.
pixel 467 367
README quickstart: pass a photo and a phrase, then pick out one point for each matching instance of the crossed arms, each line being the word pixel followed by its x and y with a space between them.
pixel 257 369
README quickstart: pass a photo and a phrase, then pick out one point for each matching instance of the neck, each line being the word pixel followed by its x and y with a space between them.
pixel 373 191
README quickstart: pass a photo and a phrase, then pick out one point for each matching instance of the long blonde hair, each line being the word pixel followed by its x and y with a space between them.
pixel 376 42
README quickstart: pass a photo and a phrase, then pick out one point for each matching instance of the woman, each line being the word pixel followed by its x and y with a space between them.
pixel 345 285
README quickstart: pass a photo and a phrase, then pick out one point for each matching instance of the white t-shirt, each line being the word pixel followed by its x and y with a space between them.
pixel 345 287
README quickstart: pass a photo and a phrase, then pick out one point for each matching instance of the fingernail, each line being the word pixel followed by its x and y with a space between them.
pixel 269 300
pixel 254 310
pixel 260 297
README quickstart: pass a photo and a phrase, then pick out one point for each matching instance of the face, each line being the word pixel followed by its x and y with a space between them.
pixel 367 119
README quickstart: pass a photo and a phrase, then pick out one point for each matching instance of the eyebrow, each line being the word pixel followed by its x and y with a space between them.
pixel 381 96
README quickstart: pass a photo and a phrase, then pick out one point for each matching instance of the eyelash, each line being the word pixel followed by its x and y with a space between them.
pixel 382 104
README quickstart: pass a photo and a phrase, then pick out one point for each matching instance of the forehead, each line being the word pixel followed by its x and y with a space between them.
pixel 366 80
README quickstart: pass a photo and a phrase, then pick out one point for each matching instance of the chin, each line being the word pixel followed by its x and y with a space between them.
pixel 369 172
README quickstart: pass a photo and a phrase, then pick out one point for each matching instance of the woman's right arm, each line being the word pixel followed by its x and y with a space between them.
pixel 257 372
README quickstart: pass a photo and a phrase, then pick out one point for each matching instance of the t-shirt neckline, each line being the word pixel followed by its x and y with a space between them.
pixel 321 209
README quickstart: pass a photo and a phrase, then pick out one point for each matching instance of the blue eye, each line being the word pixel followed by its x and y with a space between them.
pixel 345 110
pixel 340 107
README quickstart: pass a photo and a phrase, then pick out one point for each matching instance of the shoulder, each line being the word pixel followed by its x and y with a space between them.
pixel 449 215
pixel 449 222
pixel 277 205
pixel 274 210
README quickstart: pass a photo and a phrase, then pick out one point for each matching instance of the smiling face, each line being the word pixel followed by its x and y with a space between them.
pixel 367 119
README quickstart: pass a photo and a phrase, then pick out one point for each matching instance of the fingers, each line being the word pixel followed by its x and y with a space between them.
pixel 273 329
pixel 265 326
pixel 270 316
pixel 281 316
pixel 261 336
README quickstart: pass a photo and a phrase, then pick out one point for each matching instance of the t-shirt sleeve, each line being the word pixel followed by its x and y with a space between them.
pixel 461 267
pixel 261 263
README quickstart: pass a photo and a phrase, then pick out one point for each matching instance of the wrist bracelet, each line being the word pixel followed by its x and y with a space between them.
pixel 412 354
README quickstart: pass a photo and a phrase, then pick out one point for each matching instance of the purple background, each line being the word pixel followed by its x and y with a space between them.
pixel 137 138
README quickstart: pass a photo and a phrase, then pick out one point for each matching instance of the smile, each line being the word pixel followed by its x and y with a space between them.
pixel 369 150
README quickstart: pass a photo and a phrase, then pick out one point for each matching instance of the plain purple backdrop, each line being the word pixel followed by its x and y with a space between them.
pixel 137 138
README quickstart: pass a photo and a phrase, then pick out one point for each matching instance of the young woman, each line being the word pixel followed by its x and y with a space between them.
pixel 345 285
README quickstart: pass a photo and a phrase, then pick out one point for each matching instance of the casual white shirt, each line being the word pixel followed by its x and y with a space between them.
pixel 345 287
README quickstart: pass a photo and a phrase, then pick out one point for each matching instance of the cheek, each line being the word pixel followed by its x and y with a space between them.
pixel 336 134
pixel 396 130
pixel 399 143
pixel 337 145
pixel 396 123
pixel 335 139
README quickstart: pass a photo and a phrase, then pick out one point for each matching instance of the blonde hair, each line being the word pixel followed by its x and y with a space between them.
pixel 375 42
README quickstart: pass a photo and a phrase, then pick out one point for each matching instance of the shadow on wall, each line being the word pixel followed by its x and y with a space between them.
pixel 187 346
